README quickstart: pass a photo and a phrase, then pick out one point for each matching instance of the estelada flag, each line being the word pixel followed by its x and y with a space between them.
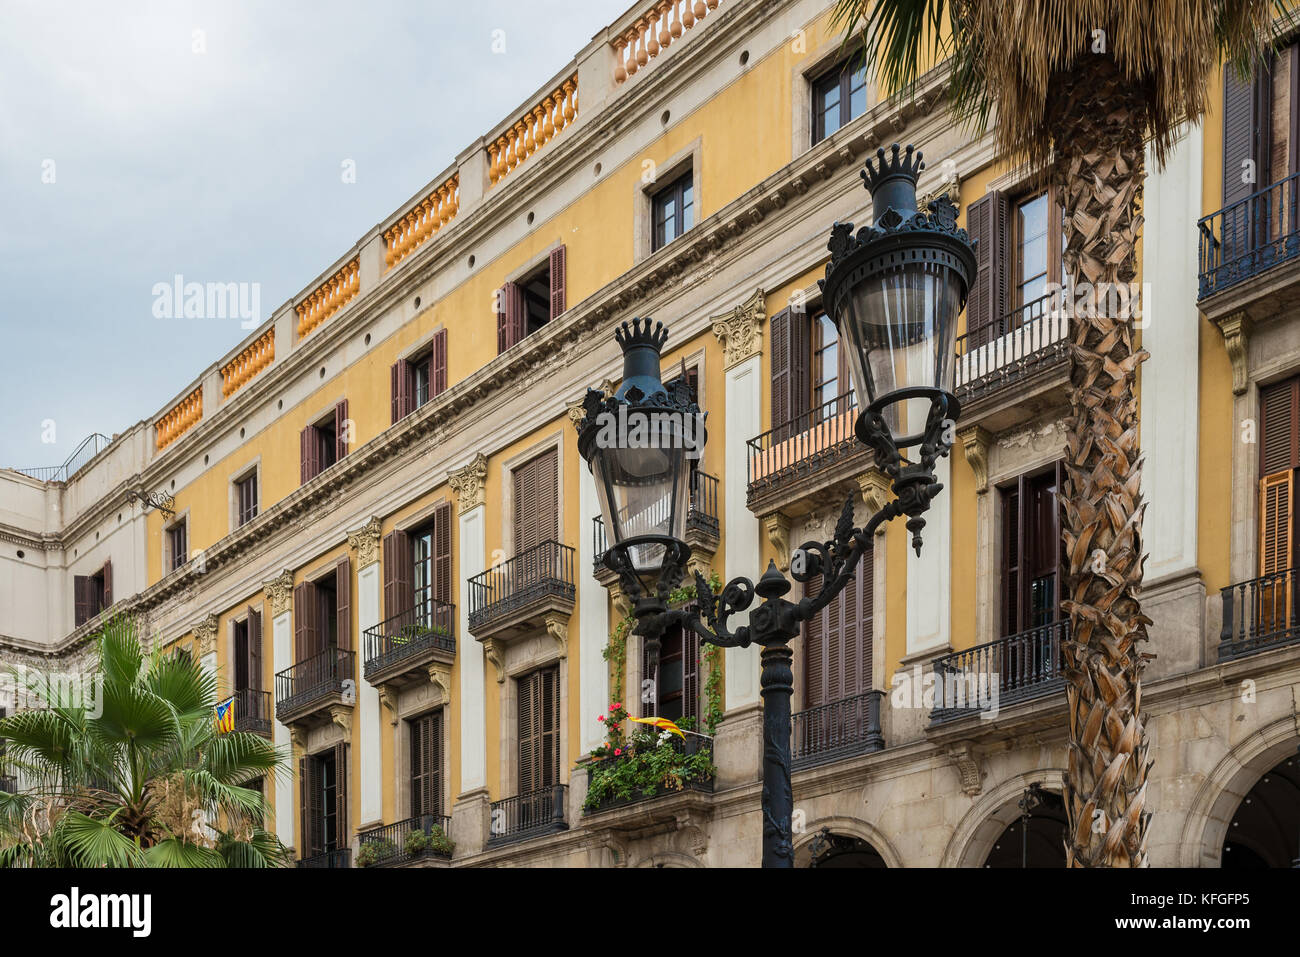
pixel 662 723
pixel 226 716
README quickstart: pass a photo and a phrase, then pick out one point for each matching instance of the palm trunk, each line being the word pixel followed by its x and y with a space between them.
pixel 1099 171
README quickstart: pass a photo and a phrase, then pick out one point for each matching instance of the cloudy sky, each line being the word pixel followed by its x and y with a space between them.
pixel 133 148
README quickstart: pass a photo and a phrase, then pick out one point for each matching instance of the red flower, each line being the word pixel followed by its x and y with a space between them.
pixel 600 717
pixel 617 752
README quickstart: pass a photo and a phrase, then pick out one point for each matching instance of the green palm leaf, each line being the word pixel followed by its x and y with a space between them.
pixel 97 843
pixel 174 852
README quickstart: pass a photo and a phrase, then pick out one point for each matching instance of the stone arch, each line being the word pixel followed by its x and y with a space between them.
pixel 984 823
pixel 669 859
pixel 1206 823
pixel 850 827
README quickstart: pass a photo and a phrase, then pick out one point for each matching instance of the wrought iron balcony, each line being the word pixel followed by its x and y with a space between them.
pixel 393 844
pixel 701 521
pixel 840 729
pixel 528 815
pixel 304 688
pixel 339 858
pixel 1252 235
pixel 999 673
pixel 1259 614
pixel 252 710
pixel 410 640
pixel 692 745
pixel 1010 348
pixel 810 443
pixel 516 595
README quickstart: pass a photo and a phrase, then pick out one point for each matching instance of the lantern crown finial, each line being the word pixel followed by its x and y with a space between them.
pixel 892 180
pixel 639 332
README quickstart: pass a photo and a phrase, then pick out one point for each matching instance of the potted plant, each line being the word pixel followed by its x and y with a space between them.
pixel 374 852
pixel 648 763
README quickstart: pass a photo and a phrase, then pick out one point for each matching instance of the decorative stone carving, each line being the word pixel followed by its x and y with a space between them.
pixel 875 493
pixel 366 541
pixel 388 699
pixel 341 715
pixel 622 604
pixel 205 635
pixel 966 762
pixel 558 628
pixel 577 412
pixel 440 675
pixel 741 330
pixel 469 483
pixel 298 739
pixel 280 590
pixel 1236 334
pixel 778 533
pixel 494 653
pixel 701 562
pixel 975 442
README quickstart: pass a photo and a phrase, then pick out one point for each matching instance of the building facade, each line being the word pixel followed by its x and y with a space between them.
pixel 381 538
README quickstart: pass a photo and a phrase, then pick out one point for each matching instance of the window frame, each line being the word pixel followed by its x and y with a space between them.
pixel 1055 265
pixel 176 558
pixel 675 190
pixel 839 78
pixel 242 514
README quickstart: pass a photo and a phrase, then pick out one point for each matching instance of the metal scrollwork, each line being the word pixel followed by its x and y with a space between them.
pixel 162 501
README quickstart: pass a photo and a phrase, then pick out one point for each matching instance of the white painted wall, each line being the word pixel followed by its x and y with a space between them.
pixel 281 651
pixel 929 576
pixel 593 623
pixel 473 704
pixel 744 396
pixel 370 758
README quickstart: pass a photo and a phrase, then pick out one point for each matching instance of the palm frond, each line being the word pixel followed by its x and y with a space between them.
pixel 261 849
pixel 173 852
pixel 96 843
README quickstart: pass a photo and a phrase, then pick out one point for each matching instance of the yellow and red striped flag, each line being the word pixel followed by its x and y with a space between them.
pixel 225 716
pixel 662 723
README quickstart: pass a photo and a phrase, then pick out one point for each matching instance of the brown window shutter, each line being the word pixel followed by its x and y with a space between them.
pixel 988 222
pixel 815 649
pixel 307 443
pixel 518 313
pixel 1275 498
pixel 417 767
pixel 108 583
pixel 866 620
pixel 1012 547
pixel 548 497
pixel 503 322
pixel 80 600
pixel 1241 121
pixel 780 397
pixel 442 553
pixel 398 594
pixel 306 615
pixel 691 674
pixel 557 281
pixel 343 589
pixel 342 823
pixel 403 393
pixel 255 649
pixel 341 430
pixel 438 364
pixel 550 736
pixel 433 764
pixel 304 808
pixel 528 725
pixel 1279 427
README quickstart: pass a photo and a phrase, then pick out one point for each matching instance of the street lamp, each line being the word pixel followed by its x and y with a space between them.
pixel 894 290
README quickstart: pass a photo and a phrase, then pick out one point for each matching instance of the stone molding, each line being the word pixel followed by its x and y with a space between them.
pixel 741 330
pixel 975 443
pixel 205 635
pixel 280 591
pixel 469 483
pixel 366 541
pixel 1236 336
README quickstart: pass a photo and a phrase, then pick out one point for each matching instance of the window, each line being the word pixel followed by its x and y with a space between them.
pixel 426 765
pixel 247 653
pixel 829 377
pixel 536 506
pixel 417 572
pixel 539 731
pixel 839 96
pixel 322 612
pixel 526 305
pixel 837 655
pixel 1031 550
pixel 1018 251
pixel 809 371
pixel 246 499
pixel 324 442
pixel 672 210
pixel 1279 458
pixel 177 545
pixel 421 378
pixel 676 685
pixel 324 801
pixel 91 594
pixel 1038 242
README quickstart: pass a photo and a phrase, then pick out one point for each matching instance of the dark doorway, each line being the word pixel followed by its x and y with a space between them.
pixel 1040 843
pixel 1265 829
pixel 840 850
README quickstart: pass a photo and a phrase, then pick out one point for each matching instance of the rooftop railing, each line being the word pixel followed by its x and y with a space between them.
pixel 86 450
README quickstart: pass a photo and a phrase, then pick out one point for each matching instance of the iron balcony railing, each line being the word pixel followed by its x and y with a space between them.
pixel 839 729
pixel 1250 236
pixel 528 815
pixel 430 624
pixel 993 675
pixel 703 514
pixel 807 443
pixel 1005 349
pixel 391 841
pixel 318 677
pixel 333 859
pixel 542 571
pixel 1259 614
pixel 252 710
pixel 693 744
pixel 86 450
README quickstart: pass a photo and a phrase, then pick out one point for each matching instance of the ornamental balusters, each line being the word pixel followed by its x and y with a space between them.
pixel 179 419
pixel 329 297
pixel 654 31
pixel 533 130
pixel 259 354
pixel 423 220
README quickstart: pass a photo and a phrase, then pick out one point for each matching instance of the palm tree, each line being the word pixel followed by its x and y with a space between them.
pixel 139 778
pixel 1079 87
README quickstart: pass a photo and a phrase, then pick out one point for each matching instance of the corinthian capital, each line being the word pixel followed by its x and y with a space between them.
pixel 469 482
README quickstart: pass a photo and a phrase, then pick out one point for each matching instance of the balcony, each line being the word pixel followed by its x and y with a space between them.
pixel 815 456
pixel 339 858
pixel 307 692
pixel 703 529
pixel 1003 672
pixel 662 805
pixel 1027 348
pixel 399 650
pixel 393 845
pixel 8 784
pixel 840 729
pixel 1259 614
pixel 1250 237
pixel 518 596
pixel 252 711
pixel 529 815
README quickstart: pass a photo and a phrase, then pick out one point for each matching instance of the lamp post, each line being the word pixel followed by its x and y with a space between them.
pixel 894 290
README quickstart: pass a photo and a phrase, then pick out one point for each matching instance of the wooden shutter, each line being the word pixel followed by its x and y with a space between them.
pixel 838 640
pixel 398 594
pixel 438 364
pixel 1012 549
pixel 528 729
pixel 81 600
pixel 442 553
pixel 512 317
pixel 255 649
pixel 304 808
pixel 691 674
pixel 536 506
pixel 403 389
pixel 558 304
pixel 341 821
pixel 503 322
pixel 780 397
pixel 343 589
pixel 1279 457
pixel 340 430
pixel 426 764
pixel 550 736
pixel 108 582
pixel 815 648
pixel 988 222
pixel 306 619
pixel 309 454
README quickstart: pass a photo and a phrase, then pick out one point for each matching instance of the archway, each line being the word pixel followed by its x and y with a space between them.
pixel 829 849
pixel 1265 828
pixel 1035 837
pixel 842 841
